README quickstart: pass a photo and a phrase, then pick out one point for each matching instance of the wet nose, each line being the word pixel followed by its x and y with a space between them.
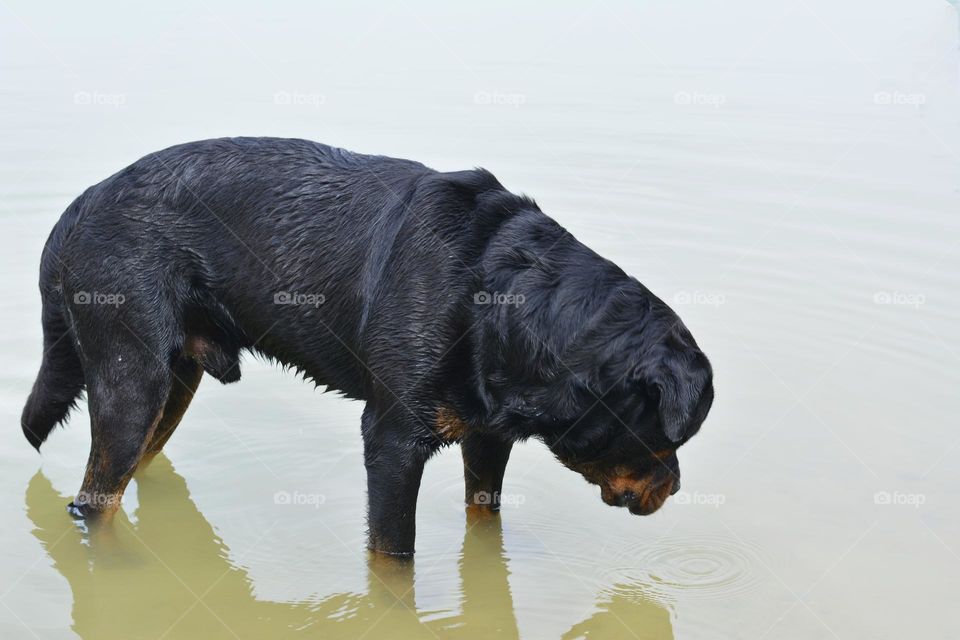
pixel 626 498
pixel 676 486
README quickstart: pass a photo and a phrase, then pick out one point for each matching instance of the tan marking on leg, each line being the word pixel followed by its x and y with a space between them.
pixel 104 495
pixel 195 346
pixel 187 378
pixel 450 427
pixel 480 512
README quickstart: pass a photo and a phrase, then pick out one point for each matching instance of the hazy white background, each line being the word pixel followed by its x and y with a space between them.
pixel 784 172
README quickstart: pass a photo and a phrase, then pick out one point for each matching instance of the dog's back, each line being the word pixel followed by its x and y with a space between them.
pixel 275 245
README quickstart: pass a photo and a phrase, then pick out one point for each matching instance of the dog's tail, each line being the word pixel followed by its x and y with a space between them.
pixel 60 381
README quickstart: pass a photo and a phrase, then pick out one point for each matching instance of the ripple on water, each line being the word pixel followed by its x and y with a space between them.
pixel 692 566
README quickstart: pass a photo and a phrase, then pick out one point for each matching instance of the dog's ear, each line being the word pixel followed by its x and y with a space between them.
pixel 685 386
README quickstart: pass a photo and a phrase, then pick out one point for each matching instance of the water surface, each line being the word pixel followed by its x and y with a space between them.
pixel 785 173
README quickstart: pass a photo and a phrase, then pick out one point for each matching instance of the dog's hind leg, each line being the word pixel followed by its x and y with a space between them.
pixel 186 375
pixel 127 389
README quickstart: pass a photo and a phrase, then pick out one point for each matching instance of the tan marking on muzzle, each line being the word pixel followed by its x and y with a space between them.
pixel 650 495
pixel 622 484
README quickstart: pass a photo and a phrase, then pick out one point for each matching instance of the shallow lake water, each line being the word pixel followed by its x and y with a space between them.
pixel 786 174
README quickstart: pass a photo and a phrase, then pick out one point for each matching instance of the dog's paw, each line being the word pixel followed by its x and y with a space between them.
pixel 81 511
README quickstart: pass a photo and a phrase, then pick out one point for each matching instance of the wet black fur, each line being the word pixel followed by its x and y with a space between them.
pixel 200 238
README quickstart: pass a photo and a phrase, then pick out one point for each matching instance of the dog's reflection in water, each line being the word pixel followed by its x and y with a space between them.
pixel 150 579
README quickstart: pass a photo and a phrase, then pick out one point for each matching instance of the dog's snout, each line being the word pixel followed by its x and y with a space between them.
pixel 626 498
pixel 676 486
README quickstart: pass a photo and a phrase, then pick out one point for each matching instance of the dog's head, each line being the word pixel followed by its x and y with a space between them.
pixel 648 394
pixel 591 362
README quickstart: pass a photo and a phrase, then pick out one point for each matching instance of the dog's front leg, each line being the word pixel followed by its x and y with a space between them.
pixel 484 462
pixel 394 460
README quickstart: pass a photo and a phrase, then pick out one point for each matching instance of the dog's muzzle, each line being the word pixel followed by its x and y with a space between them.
pixel 641 497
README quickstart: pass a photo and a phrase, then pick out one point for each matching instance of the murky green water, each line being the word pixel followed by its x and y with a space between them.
pixel 787 173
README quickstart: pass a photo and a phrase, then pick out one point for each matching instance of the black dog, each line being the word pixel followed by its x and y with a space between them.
pixel 458 311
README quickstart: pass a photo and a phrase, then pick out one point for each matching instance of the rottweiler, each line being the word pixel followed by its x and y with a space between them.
pixel 456 310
